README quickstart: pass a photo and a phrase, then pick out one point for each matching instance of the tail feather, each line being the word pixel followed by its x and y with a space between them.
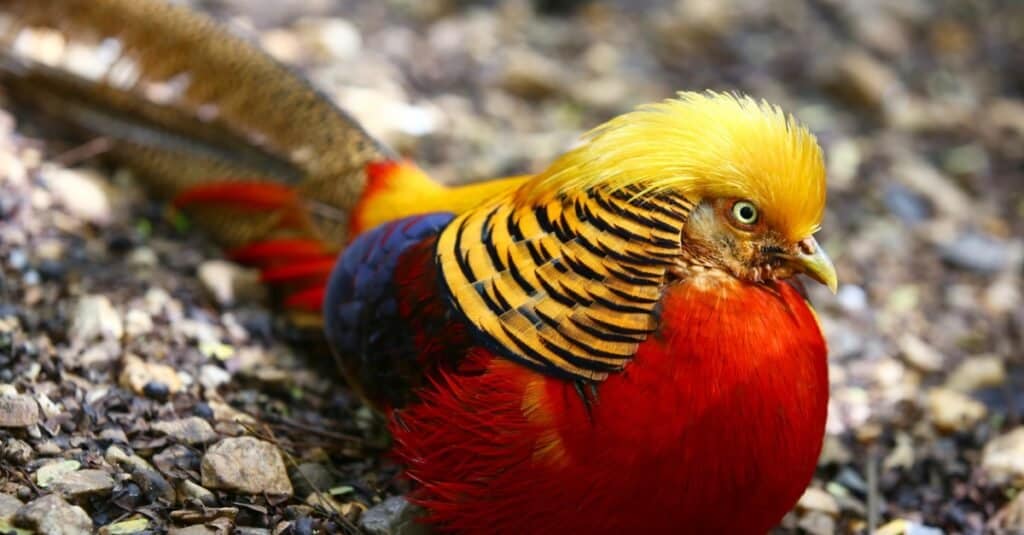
pixel 254 195
pixel 299 271
pixel 310 299
pixel 269 252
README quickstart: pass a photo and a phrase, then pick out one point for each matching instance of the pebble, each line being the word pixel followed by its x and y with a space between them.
pixel 815 499
pixel 247 465
pixel 852 298
pixel 126 527
pixel 1003 457
pixel 817 523
pixel 143 474
pixel 189 490
pixel 311 477
pixel 212 376
pixel 137 323
pixel 94 317
pixel 902 455
pixel 907 527
pixel 393 516
pixel 926 180
pixel 229 283
pixel 137 374
pixel 197 529
pixel 530 75
pixel 50 472
pixel 331 38
pixel 952 411
pixel 864 80
pixel 82 193
pixel 8 505
pixel 1009 519
pixel 977 372
pixel 980 253
pixel 191 430
pixel 54 516
pixel 156 390
pixel 18 411
pixel 919 354
pixel 81 483
pixel 17 452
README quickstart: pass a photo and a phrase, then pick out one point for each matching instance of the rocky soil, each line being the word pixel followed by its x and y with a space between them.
pixel 146 385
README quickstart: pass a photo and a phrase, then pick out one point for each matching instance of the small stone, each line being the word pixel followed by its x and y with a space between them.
pixel 977 372
pixel 864 80
pixel 82 483
pixel 143 257
pixel 176 461
pixel 137 323
pixel 311 477
pixel 137 373
pixel 980 253
pixel 17 452
pixel 156 390
pixel 921 177
pixel 188 490
pixel 18 411
pixel 197 529
pixel 902 455
pixel 852 298
pixel 952 411
pixel 230 283
pixel 393 516
pixel 191 430
pixel 833 451
pixel 919 354
pixel 54 516
pixel 143 474
pixel 212 376
pixel 81 192
pixel 246 465
pixel 1009 519
pixel 51 472
pixel 331 38
pixel 907 527
pixel 126 527
pixel 1003 457
pixel 94 317
pixel 530 75
pixel 817 523
pixel 8 505
pixel 815 499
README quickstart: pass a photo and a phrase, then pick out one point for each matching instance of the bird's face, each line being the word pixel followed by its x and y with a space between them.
pixel 735 236
pixel 755 175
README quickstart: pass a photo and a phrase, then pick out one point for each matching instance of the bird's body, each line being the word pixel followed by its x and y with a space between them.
pixel 608 346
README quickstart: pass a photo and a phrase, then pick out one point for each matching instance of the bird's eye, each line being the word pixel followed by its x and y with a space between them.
pixel 744 212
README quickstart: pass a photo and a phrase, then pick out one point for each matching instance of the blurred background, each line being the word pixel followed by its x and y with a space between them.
pixel 919 105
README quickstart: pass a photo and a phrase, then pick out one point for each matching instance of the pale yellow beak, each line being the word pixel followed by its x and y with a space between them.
pixel 813 262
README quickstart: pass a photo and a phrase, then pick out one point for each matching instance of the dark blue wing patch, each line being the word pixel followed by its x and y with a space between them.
pixel 361 308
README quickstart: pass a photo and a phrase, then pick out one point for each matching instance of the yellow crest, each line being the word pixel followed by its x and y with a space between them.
pixel 701 145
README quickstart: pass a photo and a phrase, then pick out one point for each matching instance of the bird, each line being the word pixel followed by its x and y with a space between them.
pixel 618 343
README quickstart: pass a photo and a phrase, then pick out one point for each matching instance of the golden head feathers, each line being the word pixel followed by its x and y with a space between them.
pixel 702 145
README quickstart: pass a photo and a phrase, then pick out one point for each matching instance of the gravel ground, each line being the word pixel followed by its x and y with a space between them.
pixel 142 376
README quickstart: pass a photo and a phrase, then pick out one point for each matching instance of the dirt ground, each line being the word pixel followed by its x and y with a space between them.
pixel 134 359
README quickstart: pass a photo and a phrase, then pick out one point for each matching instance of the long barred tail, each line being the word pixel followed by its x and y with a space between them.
pixel 183 100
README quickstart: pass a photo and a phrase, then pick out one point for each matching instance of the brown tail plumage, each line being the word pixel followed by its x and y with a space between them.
pixel 186 102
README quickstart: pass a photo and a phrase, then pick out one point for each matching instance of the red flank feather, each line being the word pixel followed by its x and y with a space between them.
pixel 714 428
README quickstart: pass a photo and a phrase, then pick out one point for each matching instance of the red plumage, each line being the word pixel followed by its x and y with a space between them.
pixel 714 428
